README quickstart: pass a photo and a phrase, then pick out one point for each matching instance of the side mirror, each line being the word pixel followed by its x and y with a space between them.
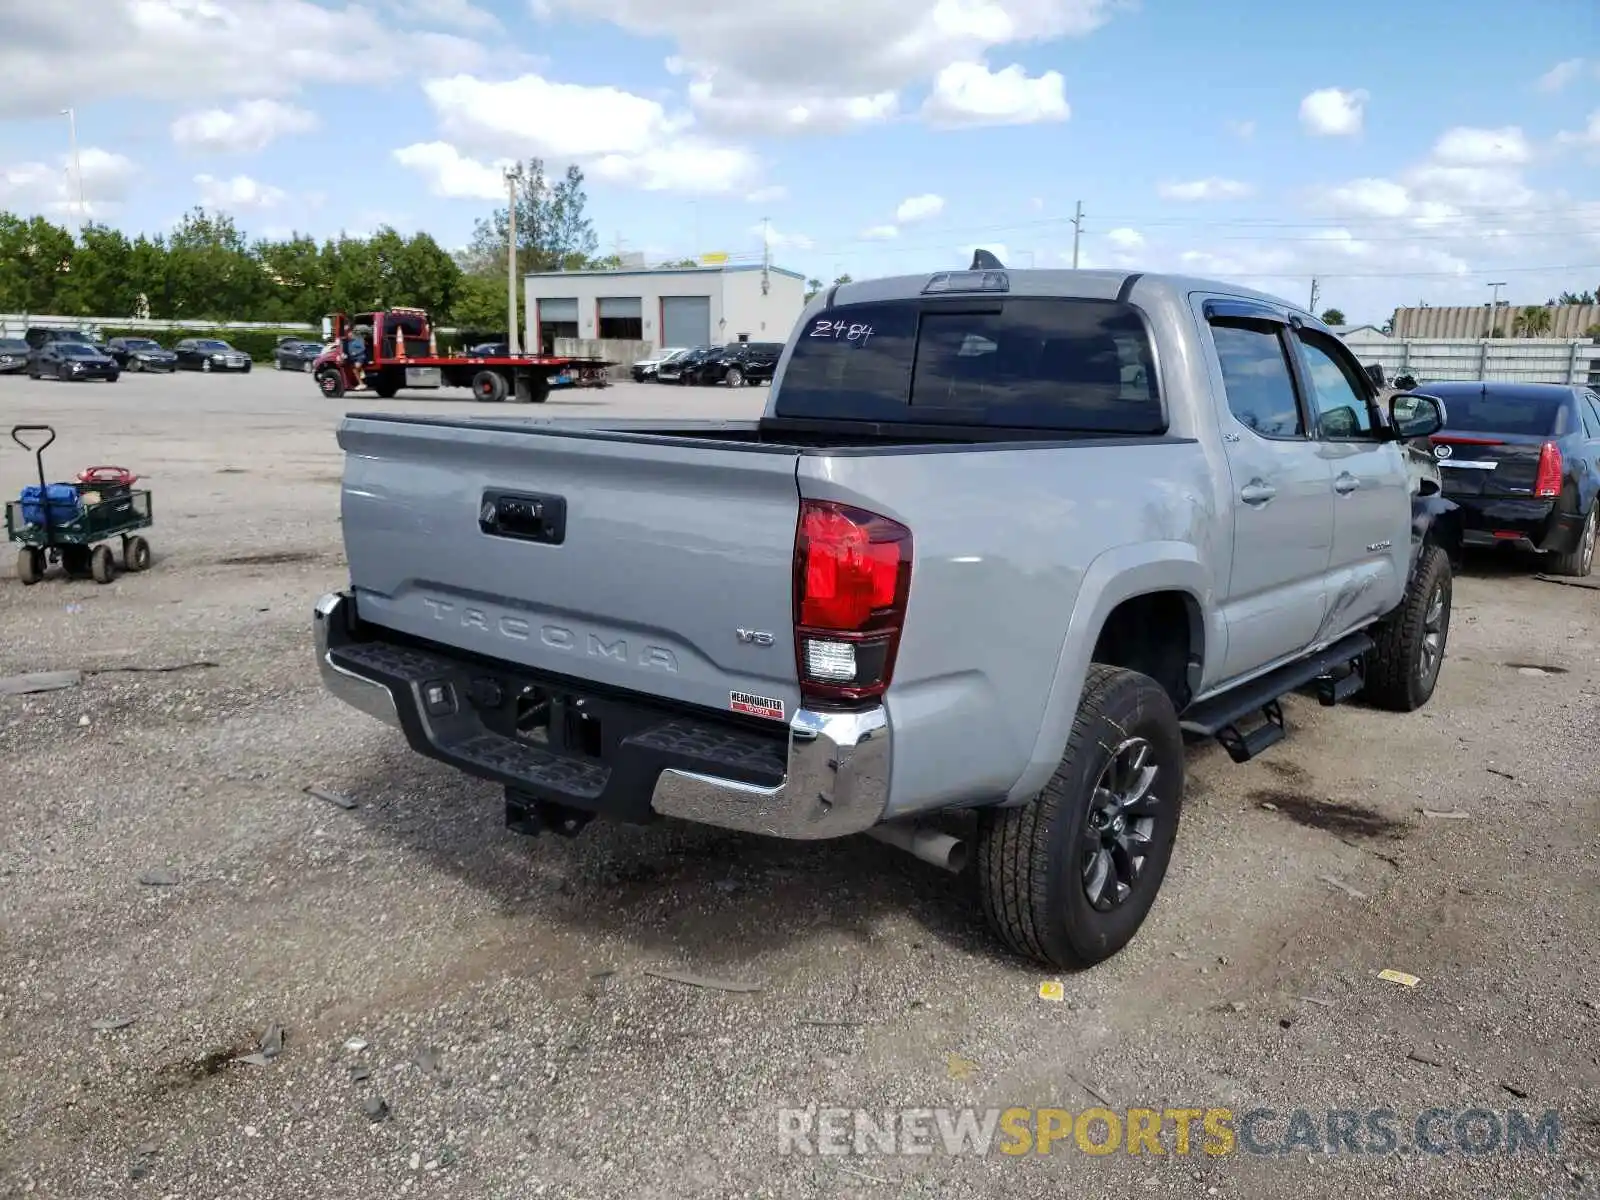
pixel 1413 415
pixel 1375 373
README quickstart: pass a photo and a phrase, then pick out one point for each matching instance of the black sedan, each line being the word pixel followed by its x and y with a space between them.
pixel 1522 460
pixel 72 362
pixel 210 354
pixel 13 356
pixel 141 354
pixel 295 355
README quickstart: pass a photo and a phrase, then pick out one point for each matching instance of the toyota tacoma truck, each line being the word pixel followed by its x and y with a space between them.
pixel 1000 541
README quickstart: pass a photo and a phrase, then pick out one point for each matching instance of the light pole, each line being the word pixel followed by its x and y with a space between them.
pixel 1494 306
pixel 513 342
pixel 77 165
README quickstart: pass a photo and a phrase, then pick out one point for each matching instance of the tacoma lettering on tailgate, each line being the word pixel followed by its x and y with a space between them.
pixel 557 637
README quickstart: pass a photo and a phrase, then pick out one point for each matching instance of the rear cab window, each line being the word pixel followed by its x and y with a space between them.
pixel 1069 364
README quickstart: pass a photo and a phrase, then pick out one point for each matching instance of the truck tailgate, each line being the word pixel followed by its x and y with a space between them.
pixel 648 559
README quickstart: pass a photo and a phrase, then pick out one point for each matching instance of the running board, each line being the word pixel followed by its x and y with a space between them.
pixel 1331 669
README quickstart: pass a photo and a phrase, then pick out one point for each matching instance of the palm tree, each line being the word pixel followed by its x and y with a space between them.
pixel 1533 321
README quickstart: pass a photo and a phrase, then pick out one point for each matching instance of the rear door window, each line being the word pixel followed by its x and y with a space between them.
pixel 1037 363
pixel 1257 379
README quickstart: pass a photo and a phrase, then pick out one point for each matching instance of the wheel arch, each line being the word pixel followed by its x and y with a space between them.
pixel 1121 584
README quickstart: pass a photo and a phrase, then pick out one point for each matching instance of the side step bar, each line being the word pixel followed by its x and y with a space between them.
pixel 1335 670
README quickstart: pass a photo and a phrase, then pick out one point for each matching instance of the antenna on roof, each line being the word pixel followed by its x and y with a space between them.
pixel 982 260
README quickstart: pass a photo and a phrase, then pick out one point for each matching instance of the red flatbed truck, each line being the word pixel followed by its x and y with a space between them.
pixel 401 352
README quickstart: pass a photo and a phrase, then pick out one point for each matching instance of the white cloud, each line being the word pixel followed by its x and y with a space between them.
pixel 1036 203
pixel 1126 239
pixel 1587 137
pixel 616 136
pixel 76 52
pixel 880 233
pixel 1214 188
pixel 1468 147
pixel 460 15
pixel 1333 112
pixel 766 195
pixel 968 93
pixel 1244 130
pixel 1558 76
pixel 239 194
pixel 919 208
pixel 250 126
pixel 52 188
pixel 820 59
pixel 782 241
pixel 451 174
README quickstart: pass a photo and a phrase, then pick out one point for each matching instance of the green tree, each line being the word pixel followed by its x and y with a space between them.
pixel 1333 316
pixel 1533 321
pixel 813 286
pixel 679 263
pixel 843 279
pixel 554 232
pixel 480 304
pixel 35 260
pixel 212 273
pixel 296 277
pixel 101 281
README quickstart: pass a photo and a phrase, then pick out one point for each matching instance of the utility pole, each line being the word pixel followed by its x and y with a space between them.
pixel 513 342
pixel 1313 305
pixel 1494 307
pixel 77 165
pixel 766 257
pixel 1077 233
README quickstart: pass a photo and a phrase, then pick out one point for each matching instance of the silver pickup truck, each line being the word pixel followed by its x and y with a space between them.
pixel 1001 540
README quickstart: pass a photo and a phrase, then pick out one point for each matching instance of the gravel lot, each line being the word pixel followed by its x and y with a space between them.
pixel 498 984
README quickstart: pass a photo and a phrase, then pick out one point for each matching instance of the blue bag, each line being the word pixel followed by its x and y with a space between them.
pixel 62 499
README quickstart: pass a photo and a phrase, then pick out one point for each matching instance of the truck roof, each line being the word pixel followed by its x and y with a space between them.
pixel 1088 285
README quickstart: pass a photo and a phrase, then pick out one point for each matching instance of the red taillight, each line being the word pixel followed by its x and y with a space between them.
pixel 1548 481
pixel 852 573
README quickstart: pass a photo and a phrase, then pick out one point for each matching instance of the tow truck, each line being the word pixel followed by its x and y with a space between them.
pixel 403 352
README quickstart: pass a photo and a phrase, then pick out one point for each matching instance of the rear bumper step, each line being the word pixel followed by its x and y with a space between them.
pixel 550 740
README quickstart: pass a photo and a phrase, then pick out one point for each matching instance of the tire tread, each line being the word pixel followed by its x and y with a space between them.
pixel 1389 670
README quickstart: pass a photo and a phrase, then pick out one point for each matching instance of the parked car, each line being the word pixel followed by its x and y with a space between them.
pixel 960 563
pixel 673 372
pixel 210 354
pixel 295 354
pixel 42 335
pixel 13 356
pixel 141 354
pixel 72 362
pixel 1522 460
pixel 738 364
pixel 645 368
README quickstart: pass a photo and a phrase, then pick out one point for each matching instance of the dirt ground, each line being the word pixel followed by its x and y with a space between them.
pixel 163 870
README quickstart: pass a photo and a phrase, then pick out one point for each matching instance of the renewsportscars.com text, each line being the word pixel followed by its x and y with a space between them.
pixel 1213 1132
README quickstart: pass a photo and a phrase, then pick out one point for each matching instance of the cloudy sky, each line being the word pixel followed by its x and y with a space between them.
pixel 1398 151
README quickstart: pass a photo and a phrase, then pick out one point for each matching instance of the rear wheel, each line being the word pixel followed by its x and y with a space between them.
pixel 489 387
pixel 136 554
pixel 1069 877
pixel 30 564
pixel 735 377
pixel 1581 561
pixel 387 389
pixel 1403 668
pixel 101 564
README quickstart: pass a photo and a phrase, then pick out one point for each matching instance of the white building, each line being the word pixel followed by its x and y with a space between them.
pixel 668 306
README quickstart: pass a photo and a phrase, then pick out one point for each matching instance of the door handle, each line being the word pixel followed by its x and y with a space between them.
pixel 1257 491
pixel 1346 483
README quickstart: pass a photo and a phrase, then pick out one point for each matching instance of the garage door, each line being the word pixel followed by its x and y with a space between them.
pixel 559 310
pixel 685 320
